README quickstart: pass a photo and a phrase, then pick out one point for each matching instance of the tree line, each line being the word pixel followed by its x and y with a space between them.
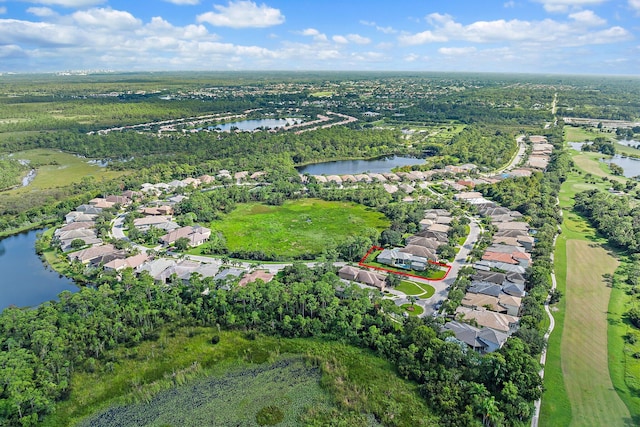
pixel 42 347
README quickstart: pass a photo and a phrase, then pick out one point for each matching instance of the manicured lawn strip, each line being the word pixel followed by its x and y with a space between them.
pixel 579 134
pixel 352 378
pixel 413 288
pixel 306 226
pixel 556 407
pixel 59 169
pixel 409 288
pixel 623 366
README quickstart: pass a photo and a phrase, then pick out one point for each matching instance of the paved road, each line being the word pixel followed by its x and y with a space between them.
pixel 442 286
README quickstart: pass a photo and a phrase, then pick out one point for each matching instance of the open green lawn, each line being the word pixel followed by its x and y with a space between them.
pixel 579 134
pixel 413 310
pixel 234 379
pixel 626 150
pixel 414 288
pixel 58 169
pixel 297 227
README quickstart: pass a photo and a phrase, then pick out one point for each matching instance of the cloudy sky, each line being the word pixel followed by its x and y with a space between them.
pixel 540 36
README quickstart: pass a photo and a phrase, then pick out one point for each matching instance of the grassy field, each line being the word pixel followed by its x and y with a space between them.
pixel 414 288
pixel 233 399
pixel 335 379
pixel 58 169
pixel 584 338
pixel 296 227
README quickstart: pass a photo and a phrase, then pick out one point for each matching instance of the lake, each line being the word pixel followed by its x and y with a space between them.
pixel 251 125
pixel 350 167
pixel 26 280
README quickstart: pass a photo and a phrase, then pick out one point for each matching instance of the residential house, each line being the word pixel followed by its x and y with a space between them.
pixel 118 200
pixel 420 251
pixel 197 235
pixel 135 262
pixel 265 276
pixel 89 209
pixel 482 340
pixel 490 319
pixel 87 255
pixel 404 260
pixel 365 277
pixel 75 216
pixel 74 226
pixel 156 267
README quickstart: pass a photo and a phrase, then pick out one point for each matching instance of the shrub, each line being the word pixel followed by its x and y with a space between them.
pixel 215 339
pixel 269 416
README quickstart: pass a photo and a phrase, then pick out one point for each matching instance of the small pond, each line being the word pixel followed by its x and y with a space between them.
pixel 350 167
pixel 27 281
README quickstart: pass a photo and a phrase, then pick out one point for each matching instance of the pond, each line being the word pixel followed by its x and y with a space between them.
pixel 26 280
pixel 350 167
pixel 251 125
pixel 630 165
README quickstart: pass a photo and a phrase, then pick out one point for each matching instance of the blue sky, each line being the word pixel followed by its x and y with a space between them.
pixel 529 36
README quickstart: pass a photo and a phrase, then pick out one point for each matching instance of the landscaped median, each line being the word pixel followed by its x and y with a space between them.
pixel 433 275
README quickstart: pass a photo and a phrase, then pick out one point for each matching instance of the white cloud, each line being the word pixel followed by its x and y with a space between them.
pixel 421 38
pixel 411 57
pixel 340 39
pixel 184 2
pixel 3 10
pixel 635 4
pixel 535 33
pixel 42 12
pixel 353 38
pixel 243 14
pixel 510 4
pixel 386 30
pixel 312 32
pixel 565 5
pixel 107 18
pixel 358 39
pixel 587 17
pixel 69 3
pixel 457 51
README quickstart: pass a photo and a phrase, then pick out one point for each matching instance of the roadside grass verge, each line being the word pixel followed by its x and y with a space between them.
pixel 352 384
pixel 298 227
pixel 556 406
